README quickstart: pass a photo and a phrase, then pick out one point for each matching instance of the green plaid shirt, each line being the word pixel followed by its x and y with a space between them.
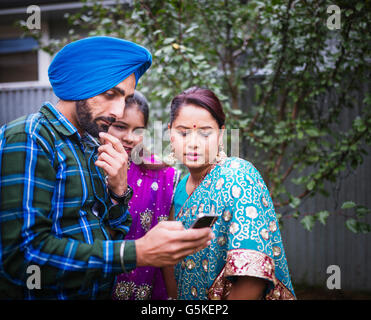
pixel 54 212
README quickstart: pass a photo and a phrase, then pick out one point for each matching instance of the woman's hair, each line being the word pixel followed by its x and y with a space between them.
pixel 201 97
pixel 138 99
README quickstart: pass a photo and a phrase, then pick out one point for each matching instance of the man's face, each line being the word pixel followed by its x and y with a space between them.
pixel 96 114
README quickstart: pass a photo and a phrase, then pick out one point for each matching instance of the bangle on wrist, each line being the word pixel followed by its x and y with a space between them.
pixel 122 252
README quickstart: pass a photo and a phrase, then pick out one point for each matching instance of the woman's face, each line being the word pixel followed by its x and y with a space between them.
pixel 195 136
pixel 130 128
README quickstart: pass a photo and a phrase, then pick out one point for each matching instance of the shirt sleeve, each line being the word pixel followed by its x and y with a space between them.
pixel 119 219
pixel 26 194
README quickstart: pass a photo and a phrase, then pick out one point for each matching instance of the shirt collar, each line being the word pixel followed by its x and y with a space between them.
pixel 65 127
pixel 90 141
pixel 58 120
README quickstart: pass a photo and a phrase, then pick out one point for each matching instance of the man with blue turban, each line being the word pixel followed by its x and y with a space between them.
pixel 63 188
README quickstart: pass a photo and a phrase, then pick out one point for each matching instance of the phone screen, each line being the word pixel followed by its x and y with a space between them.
pixel 204 221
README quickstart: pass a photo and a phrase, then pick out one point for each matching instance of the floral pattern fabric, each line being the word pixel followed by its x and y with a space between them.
pixel 247 237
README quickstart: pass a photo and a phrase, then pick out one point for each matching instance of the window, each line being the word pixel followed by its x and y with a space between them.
pixel 18 60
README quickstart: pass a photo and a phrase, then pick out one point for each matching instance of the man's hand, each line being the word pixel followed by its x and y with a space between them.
pixel 168 243
pixel 113 159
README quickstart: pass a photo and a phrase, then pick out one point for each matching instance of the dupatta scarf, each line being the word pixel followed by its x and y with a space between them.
pixel 247 237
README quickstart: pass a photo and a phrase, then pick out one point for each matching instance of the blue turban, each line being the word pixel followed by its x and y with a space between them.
pixel 91 66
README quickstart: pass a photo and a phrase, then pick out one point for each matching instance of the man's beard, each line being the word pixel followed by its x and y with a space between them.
pixel 86 121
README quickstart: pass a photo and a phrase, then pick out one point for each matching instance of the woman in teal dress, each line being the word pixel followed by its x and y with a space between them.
pixel 246 259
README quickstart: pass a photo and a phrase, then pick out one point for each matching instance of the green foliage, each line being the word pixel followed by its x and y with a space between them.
pixel 283 55
pixel 308 221
pixel 355 224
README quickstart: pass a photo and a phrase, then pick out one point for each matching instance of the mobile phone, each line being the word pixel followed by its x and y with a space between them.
pixel 204 221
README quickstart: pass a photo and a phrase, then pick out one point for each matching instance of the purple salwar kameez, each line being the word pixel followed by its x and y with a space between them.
pixel 150 204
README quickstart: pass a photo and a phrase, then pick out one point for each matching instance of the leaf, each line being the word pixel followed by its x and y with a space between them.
pixel 311 184
pixel 363 227
pixel 308 222
pixel 190 29
pixel 298 181
pixel 351 224
pixel 295 202
pixel 322 216
pixel 236 112
pixel 361 211
pixel 359 6
pixel 168 40
pixel 359 124
pixel 348 205
pixel 296 214
pixel 312 132
pixel 348 12
pixel 357 226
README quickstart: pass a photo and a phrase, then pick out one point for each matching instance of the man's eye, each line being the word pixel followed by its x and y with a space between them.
pixel 109 94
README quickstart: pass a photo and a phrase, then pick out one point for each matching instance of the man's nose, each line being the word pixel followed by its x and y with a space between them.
pixel 117 109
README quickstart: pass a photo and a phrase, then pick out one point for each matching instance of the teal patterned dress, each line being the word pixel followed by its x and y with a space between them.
pixel 247 237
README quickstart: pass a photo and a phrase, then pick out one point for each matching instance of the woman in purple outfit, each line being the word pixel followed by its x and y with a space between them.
pixel 153 186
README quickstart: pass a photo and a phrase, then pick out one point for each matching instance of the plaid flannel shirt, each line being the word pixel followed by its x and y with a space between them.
pixel 54 212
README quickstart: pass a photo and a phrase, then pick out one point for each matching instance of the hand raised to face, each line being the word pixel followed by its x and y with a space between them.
pixel 113 159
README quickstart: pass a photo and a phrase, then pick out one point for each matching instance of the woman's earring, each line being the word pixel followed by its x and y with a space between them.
pixel 221 154
pixel 170 159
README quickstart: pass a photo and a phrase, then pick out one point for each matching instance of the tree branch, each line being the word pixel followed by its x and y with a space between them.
pixel 326 174
pixel 285 27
